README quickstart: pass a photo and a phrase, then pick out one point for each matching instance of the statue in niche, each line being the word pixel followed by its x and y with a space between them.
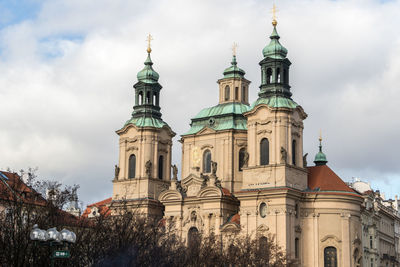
pixel 305 160
pixel 174 172
pixel 214 168
pixel 116 171
pixel 148 168
pixel 283 155
pixel 246 159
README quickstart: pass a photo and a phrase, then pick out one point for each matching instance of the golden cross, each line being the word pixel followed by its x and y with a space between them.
pixel 149 39
pixel 274 11
pixel 234 47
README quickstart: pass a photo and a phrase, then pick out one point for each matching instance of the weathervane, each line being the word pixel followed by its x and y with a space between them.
pixel 149 39
pixel 234 47
pixel 274 11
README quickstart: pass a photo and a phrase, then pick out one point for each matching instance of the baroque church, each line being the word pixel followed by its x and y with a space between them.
pixel 243 169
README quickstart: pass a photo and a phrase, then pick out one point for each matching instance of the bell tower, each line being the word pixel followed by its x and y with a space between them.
pixel 275 126
pixel 145 143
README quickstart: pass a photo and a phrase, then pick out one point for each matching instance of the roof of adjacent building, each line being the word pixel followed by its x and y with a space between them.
pixel 13 188
pixel 102 206
pixel 323 179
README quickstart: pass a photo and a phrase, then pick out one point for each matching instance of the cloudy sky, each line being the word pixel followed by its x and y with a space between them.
pixel 67 70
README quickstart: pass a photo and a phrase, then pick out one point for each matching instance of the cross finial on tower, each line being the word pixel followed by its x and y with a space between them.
pixel 149 39
pixel 274 11
pixel 320 135
pixel 234 48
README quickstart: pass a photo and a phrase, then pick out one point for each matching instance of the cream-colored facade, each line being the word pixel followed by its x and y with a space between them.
pixel 243 169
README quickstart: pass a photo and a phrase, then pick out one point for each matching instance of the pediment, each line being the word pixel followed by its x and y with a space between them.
pixel 206 130
pixel 210 191
pixel 230 227
pixel 192 184
pixel 170 195
pixel 262 228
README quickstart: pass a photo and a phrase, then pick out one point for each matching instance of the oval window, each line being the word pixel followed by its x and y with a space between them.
pixel 263 210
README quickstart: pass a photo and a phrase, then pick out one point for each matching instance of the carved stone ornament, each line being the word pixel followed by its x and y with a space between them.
pixel 131 148
pixel 174 172
pixel 283 155
pixel 305 160
pixel 263 132
pixel 116 171
pixel 148 166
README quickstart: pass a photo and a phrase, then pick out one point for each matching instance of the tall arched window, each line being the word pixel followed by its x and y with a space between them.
pixel 296 247
pixel 227 92
pixel 264 152
pixel 154 98
pixel 269 75
pixel 244 93
pixel 330 257
pixel 263 249
pixel 294 152
pixel 160 167
pixel 132 166
pixel 278 75
pixel 242 153
pixel 236 93
pixel 193 238
pixel 141 98
pixel 148 99
pixel 207 161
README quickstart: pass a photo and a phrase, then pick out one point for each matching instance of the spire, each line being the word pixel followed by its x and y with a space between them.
pixel 148 74
pixel 234 71
pixel 320 158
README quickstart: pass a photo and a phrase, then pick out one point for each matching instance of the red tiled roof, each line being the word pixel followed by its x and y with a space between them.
pixel 235 219
pixel 101 205
pixel 324 179
pixel 226 192
pixel 14 188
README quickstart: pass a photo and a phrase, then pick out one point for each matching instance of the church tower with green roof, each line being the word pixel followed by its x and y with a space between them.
pixel 218 133
pixel 144 168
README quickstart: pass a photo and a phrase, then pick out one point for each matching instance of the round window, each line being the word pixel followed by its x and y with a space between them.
pixel 263 210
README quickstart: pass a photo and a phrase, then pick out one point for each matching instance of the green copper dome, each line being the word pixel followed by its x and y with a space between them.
pixel 275 102
pixel 234 71
pixel 274 49
pixel 147 74
pixel 320 158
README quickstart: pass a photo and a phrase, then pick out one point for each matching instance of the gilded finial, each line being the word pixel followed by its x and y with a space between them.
pixel 320 135
pixel 234 48
pixel 274 11
pixel 149 39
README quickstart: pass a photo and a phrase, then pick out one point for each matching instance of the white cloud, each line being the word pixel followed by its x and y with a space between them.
pixel 67 75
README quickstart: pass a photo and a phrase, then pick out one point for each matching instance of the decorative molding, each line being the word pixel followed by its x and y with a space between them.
pixel 328 237
pixel 296 134
pixel 207 146
pixel 132 148
pixel 263 132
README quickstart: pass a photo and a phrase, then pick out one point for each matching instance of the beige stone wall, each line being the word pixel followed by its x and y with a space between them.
pixel 242 86
pixel 224 147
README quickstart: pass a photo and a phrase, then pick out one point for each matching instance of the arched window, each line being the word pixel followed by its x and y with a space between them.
pixel 193 238
pixel 297 211
pixel 236 93
pixel 132 166
pixel 269 75
pixel 330 257
pixel 285 77
pixel 244 93
pixel 154 98
pixel 263 242
pixel 227 92
pixel 296 247
pixel 264 152
pixel 242 153
pixel 160 167
pixel 207 161
pixel 278 75
pixel 294 152
pixel 148 99
pixel 141 98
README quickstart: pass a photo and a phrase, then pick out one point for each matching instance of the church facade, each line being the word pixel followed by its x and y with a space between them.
pixel 243 169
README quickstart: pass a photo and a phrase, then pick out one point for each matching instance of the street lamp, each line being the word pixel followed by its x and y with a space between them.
pixel 56 240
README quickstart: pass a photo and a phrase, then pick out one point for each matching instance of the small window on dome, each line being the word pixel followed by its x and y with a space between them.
pixel 227 92
pixel 269 75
